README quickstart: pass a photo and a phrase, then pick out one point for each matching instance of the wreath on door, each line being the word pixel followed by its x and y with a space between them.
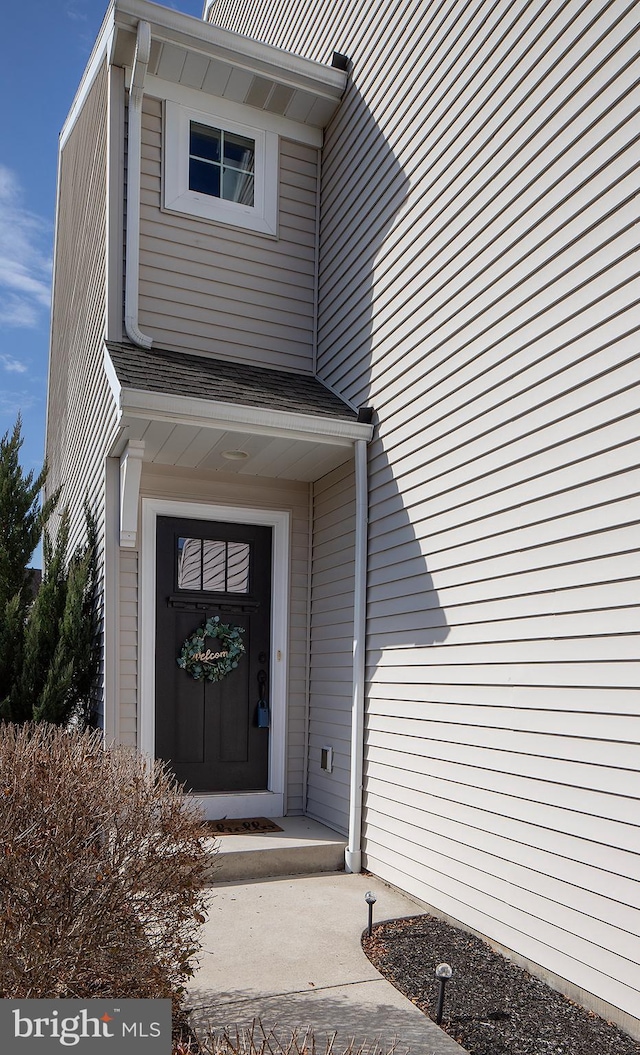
pixel 212 664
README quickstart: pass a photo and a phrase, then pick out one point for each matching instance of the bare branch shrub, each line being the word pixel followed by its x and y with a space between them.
pixel 257 1040
pixel 102 867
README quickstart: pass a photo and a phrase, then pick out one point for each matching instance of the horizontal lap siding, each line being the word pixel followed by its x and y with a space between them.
pixel 128 644
pixel 212 288
pixel 80 406
pixel 331 684
pixel 478 287
pixel 79 402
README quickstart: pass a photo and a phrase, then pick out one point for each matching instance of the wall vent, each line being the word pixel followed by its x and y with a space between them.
pixel 326 759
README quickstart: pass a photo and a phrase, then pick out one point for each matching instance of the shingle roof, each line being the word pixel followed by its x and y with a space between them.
pixel 198 376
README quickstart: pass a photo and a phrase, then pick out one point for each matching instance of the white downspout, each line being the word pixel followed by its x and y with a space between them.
pixel 134 151
pixel 307 666
pixel 353 853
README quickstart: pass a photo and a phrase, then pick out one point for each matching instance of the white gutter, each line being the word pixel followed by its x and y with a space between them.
pixel 134 151
pixel 353 853
pixel 307 665
pixel 327 82
pixel 234 417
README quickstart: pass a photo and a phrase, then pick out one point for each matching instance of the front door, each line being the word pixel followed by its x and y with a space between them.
pixel 213 733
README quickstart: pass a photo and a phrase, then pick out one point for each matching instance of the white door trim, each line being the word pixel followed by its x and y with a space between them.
pixel 270 803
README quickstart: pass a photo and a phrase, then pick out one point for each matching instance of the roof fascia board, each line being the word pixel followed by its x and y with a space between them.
pixel 298 72
pixel 215 105
pixel 206 413
pixel 53 306
pixel 175 27
pixel 112 377
pixel 102 51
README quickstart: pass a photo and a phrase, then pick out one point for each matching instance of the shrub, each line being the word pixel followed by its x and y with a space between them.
pixel 103 863
pixel 257 1040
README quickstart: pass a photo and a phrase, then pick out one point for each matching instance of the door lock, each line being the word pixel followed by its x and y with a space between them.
pixel 263 716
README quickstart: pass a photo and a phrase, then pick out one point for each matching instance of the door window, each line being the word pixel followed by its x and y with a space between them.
pixel 213 565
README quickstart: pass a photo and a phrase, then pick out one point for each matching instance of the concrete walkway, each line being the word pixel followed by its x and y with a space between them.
pixel 287 951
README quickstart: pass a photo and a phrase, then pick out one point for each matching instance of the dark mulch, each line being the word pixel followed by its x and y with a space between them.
pixel 492 1007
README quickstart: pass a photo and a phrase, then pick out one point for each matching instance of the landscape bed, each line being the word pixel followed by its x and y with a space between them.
pixel 492 1006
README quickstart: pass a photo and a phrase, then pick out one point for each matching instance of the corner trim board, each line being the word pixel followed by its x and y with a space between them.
pixel 353 853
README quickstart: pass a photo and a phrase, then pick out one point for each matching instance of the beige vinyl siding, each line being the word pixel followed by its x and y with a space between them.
pixel 478 286
pixel 331 665
pixel 80 411
pixel 78 396
pixel 192 485
pixel 215 289
pixel 128 647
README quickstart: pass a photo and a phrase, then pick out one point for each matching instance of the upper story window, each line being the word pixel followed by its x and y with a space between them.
pixel 221 164
pixel 219 170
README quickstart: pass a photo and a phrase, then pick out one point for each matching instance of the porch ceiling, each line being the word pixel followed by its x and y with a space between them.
pixel 191 411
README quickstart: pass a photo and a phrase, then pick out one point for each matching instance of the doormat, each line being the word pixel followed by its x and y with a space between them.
pixel 243 826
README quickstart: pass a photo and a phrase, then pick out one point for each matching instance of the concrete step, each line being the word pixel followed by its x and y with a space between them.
pixel 303 847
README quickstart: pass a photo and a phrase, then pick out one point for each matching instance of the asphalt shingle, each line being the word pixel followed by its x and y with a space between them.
pixel 200 377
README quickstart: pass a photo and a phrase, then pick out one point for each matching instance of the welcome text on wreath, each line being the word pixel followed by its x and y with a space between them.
pixel 202 663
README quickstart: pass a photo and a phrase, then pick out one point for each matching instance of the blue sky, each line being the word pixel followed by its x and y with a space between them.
pixel 44 47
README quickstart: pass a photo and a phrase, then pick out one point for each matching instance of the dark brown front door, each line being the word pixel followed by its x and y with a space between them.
pixel 209 731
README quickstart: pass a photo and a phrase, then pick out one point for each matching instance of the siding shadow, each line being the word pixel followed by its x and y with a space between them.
pixel 358 358
pixel 403 605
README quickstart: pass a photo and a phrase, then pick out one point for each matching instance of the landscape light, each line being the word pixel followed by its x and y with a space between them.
pixel 371 900
pixel 443 974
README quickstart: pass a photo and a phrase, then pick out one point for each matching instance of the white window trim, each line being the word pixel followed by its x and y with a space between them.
pixel 270 803
pixel 263 216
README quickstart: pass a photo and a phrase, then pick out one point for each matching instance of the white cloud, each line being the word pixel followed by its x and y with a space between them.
pixel 25 263
pixel 11 365
pixel 14 403
pixel 18 313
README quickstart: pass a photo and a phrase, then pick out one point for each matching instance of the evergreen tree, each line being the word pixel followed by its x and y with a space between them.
pixel 66 691
pixel 41 629
pixel 48 653
pixel 22 518
pixel 12 623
